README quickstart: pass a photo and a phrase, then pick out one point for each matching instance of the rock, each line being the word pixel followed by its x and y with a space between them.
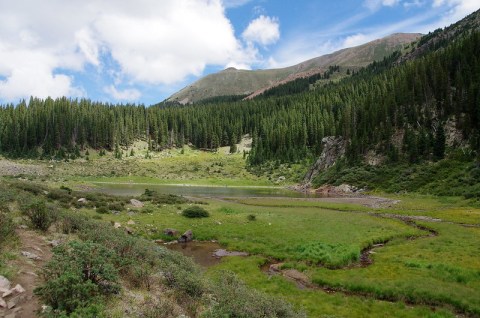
pixel 54 243
pixel 19 289
pixel 117 225
pixel 129 230
pixel 31 255
pixel 159 241
pixel 223 253
pixel 333 149
pixel 131 222
pixel 136 203
pixel 4 283
pixel 170 232
pixel 12 315
pixel 3 304
pixel 82 200
pixel 13 302
pixel 186 237
pixel 23 226
pixel 7 293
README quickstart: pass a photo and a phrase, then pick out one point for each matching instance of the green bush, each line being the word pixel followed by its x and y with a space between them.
pixel 7 228
pixel 41 216
pixel 232 298
pixel 252 217
pixel 195 212
pixel 78 275
pixel 102 209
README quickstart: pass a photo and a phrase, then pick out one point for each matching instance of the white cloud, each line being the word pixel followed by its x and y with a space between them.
pixel 129 94
pixel 263 30
pixel 235 3
pixel 150 41
pixel 414 4
pixel 356 39
pixel 374 5
pixel 458 9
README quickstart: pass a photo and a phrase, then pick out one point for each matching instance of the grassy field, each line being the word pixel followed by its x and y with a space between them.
pixel 174 166
pixel 429 266
pixel 415 274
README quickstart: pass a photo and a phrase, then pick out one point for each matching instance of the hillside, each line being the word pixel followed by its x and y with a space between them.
pixel 244 82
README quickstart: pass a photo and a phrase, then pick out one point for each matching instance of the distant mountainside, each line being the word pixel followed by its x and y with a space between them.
pixel 231 82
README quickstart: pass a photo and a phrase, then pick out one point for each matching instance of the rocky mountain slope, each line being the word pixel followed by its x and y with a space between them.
pixel 244 82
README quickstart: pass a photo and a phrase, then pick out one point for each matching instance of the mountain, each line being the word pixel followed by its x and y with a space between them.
pixel 244 82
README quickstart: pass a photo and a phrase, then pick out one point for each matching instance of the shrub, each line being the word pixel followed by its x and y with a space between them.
pixel 102 209
pixel 39 214
pixel 77 276
pixel 72 223
pixel 252 217
pixel 7 228
pixel 195 212
pixel 234 299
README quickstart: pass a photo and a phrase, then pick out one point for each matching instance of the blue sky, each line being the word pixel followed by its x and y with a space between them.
pixel 143 51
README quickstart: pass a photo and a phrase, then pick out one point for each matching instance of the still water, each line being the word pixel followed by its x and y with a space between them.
pixel 134 189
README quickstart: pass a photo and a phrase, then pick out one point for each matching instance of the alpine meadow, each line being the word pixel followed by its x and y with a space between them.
pixel 346 184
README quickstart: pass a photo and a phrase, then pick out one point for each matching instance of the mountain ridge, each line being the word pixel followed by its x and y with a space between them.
pixel 232 81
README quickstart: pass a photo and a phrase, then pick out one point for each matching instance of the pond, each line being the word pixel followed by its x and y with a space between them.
pixel 204 253
pixel 135 189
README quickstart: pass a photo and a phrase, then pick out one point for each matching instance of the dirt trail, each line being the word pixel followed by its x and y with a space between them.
pixel 27 265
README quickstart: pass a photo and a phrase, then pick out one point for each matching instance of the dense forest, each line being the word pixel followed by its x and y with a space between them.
pixel 416 97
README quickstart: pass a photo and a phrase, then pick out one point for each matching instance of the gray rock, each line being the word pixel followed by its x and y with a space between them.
pixel 7 293
pixel 170 232
pixel 19 289
pixel 136 203
pixel 13 302
pixel 4 283
pixel 223 253
pixel 3 304
pixel 82 200
pixel 131 222
pixel 333 149
pixel 31 255
pixel 186 237
pixel 129 230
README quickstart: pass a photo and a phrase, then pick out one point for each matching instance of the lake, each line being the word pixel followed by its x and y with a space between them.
pixel 135 189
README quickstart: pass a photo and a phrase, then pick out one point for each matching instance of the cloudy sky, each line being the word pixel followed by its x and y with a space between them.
pixel 143 51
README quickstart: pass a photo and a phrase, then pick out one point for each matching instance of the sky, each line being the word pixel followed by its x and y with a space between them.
pixel 143 51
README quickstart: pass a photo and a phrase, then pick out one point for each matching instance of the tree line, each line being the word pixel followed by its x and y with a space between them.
pixel 416 98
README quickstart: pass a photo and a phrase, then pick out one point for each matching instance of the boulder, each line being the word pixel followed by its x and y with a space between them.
pixel 129 230
pixel 117 225
pixel 186 237
pixel 4 283
pixel 131 222
pixel 19 289
pixel 170 232
pixel 3 304
pixel 82 200
pixel 136 203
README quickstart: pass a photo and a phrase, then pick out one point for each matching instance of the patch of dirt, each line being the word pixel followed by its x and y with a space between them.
pixel 34 252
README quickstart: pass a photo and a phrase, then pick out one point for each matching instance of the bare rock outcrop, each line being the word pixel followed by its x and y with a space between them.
pixel 333 149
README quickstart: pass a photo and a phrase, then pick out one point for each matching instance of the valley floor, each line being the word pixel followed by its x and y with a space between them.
pixel 415 256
